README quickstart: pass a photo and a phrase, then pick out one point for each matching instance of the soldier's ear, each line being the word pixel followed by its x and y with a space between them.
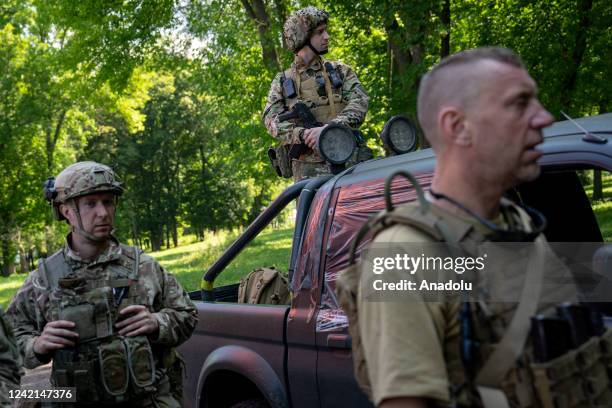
pixel 454 127
pixel 66 211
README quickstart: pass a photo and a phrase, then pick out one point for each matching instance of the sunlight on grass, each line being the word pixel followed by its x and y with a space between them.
pixel 603 208
pixel 272 247
pixel 188 263
pixel 8 287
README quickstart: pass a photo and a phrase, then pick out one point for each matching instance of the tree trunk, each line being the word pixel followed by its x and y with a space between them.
pixel 597 186
pixel 51 140
pixel 23 261
pixel 8 257
pixel 583 12
pixel 167 237
pixel 400 57
pixel 281 16
pixel 256 10
pixel 157 240
pixel 175 234
pixel 445 18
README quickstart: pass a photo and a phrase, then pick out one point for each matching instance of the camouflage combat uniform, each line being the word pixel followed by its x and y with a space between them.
pixel 312 84
pixel 104 366
pixel 10 362
pixel 177 316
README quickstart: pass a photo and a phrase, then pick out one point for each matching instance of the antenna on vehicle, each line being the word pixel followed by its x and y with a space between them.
pixel 588 136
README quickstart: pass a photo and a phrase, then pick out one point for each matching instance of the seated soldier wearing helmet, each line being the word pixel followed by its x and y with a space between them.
pixel 330 89
pixel 108 315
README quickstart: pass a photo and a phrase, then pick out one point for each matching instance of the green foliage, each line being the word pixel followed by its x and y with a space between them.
pixel 171 94
pixel 188 262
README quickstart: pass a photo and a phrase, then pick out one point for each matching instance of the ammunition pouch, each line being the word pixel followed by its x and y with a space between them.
pixel 281 161
pixel 577 378
pixel 141 364
pixel 114 368
pixel 122 369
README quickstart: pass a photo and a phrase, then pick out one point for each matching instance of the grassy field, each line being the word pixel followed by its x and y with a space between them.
pixel 603 209
pixel 271 248
pixel 188 262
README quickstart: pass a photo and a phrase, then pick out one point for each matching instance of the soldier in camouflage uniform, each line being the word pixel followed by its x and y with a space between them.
pixel 10 362
pixel 305 33
pixel 108 315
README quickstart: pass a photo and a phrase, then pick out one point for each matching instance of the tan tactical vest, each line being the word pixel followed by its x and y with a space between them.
pixel 324 107
pixel 506 375
pixel 103 366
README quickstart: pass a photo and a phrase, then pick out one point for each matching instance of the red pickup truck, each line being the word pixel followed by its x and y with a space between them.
pixel 299 355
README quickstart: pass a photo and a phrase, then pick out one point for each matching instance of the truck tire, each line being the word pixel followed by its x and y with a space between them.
pixel 252 403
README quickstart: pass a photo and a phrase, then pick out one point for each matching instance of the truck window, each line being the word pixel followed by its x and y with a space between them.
pixel 271 249
pixel 601 198
pixel 563 196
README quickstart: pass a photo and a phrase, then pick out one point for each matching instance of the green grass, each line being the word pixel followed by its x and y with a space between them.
pixel 188 262
pixel 271 248
pixel 603 208
pixel 8 287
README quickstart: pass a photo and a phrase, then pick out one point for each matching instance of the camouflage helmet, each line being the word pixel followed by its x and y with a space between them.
pixel 80 179
pixel 300 26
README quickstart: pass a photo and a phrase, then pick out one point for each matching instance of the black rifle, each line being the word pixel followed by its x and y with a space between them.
pixel 300 111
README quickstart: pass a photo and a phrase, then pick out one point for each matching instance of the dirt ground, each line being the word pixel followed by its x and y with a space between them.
pixel 37 378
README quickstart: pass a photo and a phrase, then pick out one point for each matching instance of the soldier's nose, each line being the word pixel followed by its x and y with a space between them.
pixel 101 209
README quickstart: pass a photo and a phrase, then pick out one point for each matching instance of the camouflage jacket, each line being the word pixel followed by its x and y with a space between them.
pixel 353 95
pixel 175 312
pixel 10 361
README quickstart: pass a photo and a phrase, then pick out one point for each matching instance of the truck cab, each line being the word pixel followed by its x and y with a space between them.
pixel 299 355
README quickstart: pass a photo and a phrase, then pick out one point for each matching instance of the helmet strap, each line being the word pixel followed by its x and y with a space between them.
pixel 309 45
pixel 80 230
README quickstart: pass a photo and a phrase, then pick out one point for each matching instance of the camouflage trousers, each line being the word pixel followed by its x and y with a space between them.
pixel 165 397
pixel 307 169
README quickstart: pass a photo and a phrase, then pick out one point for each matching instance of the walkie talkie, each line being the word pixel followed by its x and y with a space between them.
pixel 333 75
pixel 289 88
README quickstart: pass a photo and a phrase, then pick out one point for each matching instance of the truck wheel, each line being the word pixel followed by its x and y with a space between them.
pixel 252 403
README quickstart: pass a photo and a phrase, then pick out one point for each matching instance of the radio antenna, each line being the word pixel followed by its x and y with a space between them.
pixel 588 136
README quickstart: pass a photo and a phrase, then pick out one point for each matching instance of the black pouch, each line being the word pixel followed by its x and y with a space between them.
pixel 274 161
pixel 281 160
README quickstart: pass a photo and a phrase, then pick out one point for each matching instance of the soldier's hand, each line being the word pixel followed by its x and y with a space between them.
pixel 141 321
pixel 55 335
pixel 311 136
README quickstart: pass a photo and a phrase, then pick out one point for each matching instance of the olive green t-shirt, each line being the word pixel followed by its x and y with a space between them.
pixel 403 348
pixel 405 344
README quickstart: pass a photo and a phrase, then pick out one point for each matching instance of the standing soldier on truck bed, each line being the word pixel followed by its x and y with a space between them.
pixel 329 89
